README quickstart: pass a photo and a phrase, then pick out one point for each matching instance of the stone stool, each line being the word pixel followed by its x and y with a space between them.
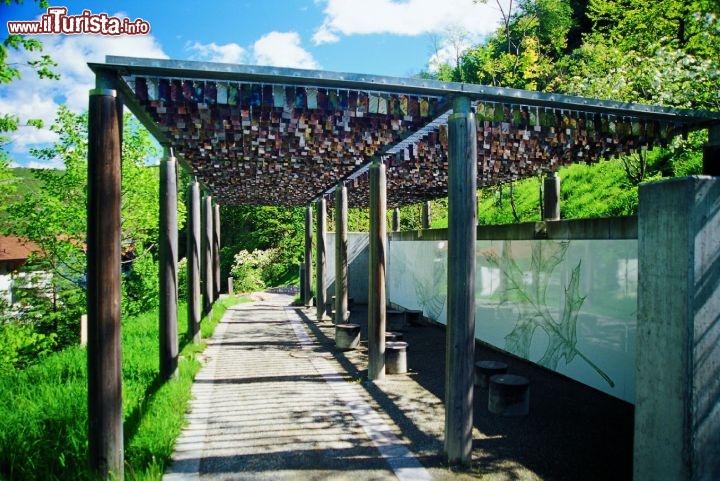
pixel 396 357
pixel 485 369
pixel 414 317
pixel 347 336
pixel 393 336
pixel 395 319
pixel 509 395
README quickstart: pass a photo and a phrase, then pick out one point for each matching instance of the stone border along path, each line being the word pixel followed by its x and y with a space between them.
pixel 262 409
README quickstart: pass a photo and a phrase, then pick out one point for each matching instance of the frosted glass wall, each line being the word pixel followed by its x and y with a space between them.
pixel 567 305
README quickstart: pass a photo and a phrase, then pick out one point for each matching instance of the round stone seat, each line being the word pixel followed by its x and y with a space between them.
pixel 396 357
pixel 486 369
pixel 509 395
pixel 347 336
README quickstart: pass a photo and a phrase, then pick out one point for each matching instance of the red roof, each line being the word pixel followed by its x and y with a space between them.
pixel 13 248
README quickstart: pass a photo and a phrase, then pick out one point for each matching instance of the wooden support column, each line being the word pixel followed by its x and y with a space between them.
pixel 206 259
pixel 396 220
pixel 551 197
pixel 105 418
pixel 194 305
pixel 376 282
pixel 307 287
pixel 425 219
pixel 320 263
pixel 341 261
pixel 168 266
pixel 711 152
pixel 216 251
pixel 462 219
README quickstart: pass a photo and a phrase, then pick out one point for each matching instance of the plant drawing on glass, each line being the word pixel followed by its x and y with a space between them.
pixel 431 295
pixel 533 311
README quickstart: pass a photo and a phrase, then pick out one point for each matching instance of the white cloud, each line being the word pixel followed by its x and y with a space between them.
pixel 411 17
pixel 32 98
pixel 282 49
pixel 212 52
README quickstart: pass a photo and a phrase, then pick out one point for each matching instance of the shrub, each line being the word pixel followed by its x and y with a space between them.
pixel 250 270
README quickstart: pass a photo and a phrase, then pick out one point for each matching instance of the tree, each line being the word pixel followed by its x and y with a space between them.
pixel 55 217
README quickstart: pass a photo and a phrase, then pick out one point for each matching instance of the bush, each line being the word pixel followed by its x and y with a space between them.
pixel 141 287
pixel 251 270
pixel 182 270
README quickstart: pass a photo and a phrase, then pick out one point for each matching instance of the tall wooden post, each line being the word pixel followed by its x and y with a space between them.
pixel 206 248
pixel 320 264
pixel 216 251
pixel 376 282
pixel 462 219
pixel 396 220
pixel 551 197
pixel 425 218
pixel 307 288
pixel 341 261
pixel 711 152
pixel 168 266
pixel 194 305
pixel 105 418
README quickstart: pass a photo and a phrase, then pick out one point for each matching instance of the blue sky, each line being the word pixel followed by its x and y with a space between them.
pixel 381 37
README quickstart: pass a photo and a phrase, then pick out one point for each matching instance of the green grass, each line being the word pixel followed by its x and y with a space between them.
pixel 43 409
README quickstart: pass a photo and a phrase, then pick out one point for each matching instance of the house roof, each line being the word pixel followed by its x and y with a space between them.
pixel 285 137
pixel 13 248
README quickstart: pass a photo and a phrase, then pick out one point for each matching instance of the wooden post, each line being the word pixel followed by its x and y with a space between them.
pixel 207 258
pixel 376 282
pixel 425 219
pixel 341 266
pixel 551 198
pixel 396 220
pixel 105 418
pixel 168 267
pixel 307 288
pixel 711 152
pixel 462 219
pixel 320 264
pixel 216 251
pixel 194 305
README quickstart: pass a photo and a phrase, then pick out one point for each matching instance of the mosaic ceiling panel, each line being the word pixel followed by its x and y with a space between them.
pixel 285 137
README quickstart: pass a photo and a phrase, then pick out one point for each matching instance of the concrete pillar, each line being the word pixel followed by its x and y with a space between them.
pixel 396 220
pixel 711 152
pixel 194 305
pixel 460 338
pixel 320 262
pixel 341 260
pixel 216 251
pixel 376 272
pixel 168 266
pixel 307 288
pixel 551 197
pixel 677 400
pixel 425 218
pixel 206 253
pixel 105 418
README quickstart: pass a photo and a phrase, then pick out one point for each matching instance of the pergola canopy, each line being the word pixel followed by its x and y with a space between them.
pixel 285 137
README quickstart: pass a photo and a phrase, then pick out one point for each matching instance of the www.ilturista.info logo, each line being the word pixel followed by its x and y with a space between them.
pixel 57 21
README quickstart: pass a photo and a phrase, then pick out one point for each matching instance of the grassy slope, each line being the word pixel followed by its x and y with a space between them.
pixel 43 410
